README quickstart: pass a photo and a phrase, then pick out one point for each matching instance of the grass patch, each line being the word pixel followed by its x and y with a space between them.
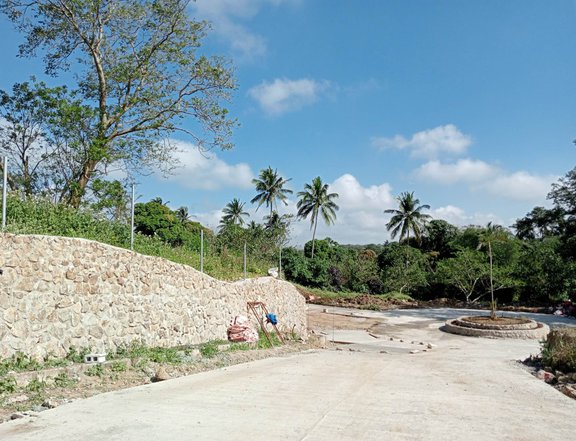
pixel 394 295
pixel 326 294
pixel 136 351
pixel 210 349
pixel 317 292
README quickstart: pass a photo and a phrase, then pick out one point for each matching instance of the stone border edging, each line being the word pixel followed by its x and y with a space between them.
pixel 538 333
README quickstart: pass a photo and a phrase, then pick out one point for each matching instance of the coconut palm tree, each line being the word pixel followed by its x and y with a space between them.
pixel 270 187
pixel 314 201
pixel 182 214
pixel 234 213
pixel 408 218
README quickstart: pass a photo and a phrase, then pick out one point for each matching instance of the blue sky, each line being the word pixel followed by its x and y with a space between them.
pixel 467 103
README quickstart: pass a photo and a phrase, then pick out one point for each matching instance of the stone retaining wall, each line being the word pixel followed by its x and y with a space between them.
pixel 58 292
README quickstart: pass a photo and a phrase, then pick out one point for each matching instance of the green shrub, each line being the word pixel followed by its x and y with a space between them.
pixel 559 350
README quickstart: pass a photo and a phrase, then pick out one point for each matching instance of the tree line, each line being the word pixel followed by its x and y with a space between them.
pixel 433 258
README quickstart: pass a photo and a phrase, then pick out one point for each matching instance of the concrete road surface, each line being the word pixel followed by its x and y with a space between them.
pixel 372 388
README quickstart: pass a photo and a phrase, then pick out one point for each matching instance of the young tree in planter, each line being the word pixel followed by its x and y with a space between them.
pixel 138 69
pixel 492 233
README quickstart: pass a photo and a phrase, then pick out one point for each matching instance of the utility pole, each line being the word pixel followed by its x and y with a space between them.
pixel 132 221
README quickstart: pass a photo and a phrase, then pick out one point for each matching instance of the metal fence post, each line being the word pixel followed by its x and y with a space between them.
pixel 280 263
pixel 245 260
pixel 4 192
pixel 132 221
pixel 201 251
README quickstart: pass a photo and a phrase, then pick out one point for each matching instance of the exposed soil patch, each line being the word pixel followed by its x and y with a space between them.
pixel 485 320
pixel 320 320
pixel 498 323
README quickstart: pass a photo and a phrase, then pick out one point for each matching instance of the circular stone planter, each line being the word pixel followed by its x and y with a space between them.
pixel 482 326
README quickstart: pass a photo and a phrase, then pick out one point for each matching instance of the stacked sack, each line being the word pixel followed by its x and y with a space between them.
pixel 240 330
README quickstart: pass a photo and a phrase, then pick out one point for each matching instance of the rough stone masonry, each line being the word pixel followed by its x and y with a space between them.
pixel 57 293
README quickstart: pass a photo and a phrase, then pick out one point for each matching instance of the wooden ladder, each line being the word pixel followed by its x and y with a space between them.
pixel 259 309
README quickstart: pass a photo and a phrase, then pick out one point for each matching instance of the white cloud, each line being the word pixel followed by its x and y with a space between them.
pixel 521 186
pixel 225 15
pixel 464 170
pixel 457 216
pixel 361 217
pixel 208 172
pixel 210 219
pixel 481 176
pixel 429 143
pixel 354 196
pixel 283 95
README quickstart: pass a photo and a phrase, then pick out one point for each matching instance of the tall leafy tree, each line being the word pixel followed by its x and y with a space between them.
pixel 438 237
pixel 277 227
pixel 540 223
pixel 315 200
pixel 234 213
pixel 564 193
pixel 138 68
pixel 111 199
pixel 404 268
pixel 270 187
pixel 408 217
pixel 26 115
